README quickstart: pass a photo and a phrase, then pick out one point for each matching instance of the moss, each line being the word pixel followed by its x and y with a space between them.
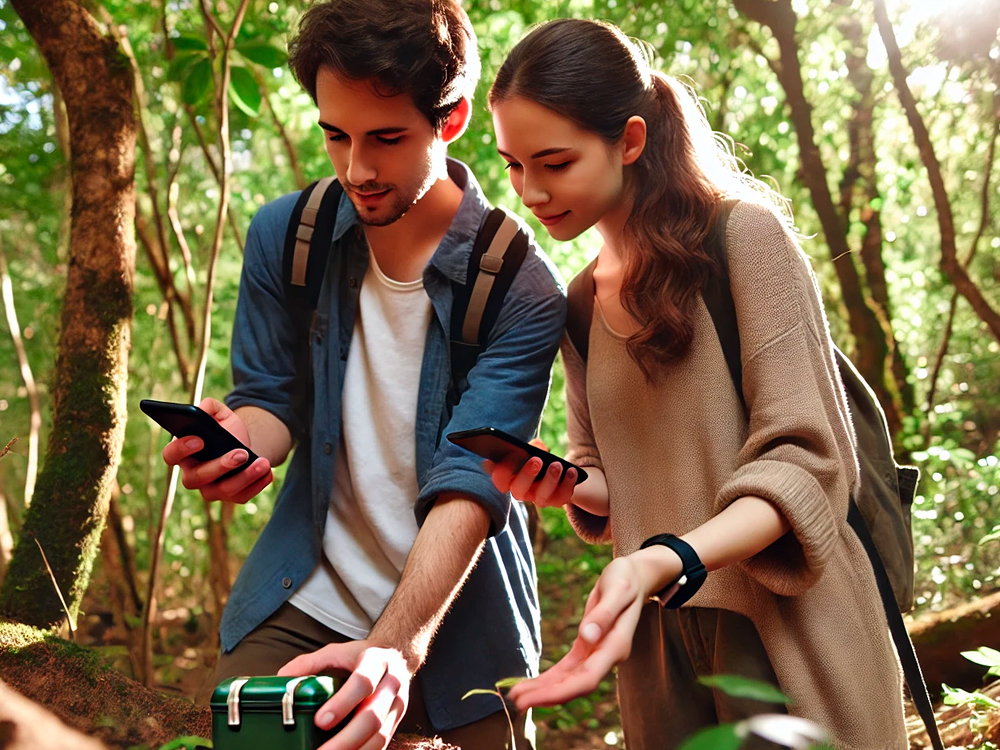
pixel 16 635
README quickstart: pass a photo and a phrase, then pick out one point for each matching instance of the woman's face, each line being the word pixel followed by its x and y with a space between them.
pixel 570 178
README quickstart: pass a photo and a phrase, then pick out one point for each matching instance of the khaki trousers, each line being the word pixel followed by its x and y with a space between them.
pixel 290 632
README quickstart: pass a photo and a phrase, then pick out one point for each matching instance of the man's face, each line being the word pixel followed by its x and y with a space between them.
pixel 382 148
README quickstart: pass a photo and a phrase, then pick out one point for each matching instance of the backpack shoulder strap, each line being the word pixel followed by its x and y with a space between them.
pixel 580 309
pixel 308 240
pixel 500 248
pixel 719 297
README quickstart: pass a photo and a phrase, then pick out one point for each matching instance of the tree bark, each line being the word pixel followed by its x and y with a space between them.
pixel 871 350
pixel 88 393
pixel 950 265
pixel 939 638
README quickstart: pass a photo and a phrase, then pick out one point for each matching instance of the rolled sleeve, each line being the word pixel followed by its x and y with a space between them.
pixel 264 336
pixel 507 389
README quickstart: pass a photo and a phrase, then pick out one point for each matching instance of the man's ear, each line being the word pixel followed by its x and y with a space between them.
pixel 457 121
pixel 633 139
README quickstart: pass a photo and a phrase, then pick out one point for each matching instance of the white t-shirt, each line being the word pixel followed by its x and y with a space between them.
pixel 370 526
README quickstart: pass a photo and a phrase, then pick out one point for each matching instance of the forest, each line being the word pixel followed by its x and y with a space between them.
pixel 137 141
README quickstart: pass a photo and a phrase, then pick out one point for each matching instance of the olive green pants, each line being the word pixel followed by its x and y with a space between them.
pixel 662 702
pixel 290 632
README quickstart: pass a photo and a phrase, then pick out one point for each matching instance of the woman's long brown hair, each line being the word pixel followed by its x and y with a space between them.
pixel 590 73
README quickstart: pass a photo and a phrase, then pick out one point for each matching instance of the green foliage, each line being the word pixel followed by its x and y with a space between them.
pixel 744 687
pixel 722 737
pixel 987 657
pixel 959 697
pixel 187 743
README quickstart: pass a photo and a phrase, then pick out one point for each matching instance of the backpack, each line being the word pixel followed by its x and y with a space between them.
pixel 497 253
pixel 879 510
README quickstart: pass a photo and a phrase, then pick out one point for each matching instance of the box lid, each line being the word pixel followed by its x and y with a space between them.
pixel 266 693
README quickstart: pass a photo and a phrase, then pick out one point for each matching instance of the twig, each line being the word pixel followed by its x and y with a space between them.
pixel 34 403
pixel 6 448
pixel 69 617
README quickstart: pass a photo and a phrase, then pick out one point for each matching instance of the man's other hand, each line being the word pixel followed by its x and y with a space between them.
pixel 204 476
pixel 378 688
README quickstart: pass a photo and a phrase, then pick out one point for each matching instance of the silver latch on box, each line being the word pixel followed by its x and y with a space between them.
pixel 288 701
pixel 233 700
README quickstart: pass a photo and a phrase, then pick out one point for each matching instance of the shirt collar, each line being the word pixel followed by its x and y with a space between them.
pixel 452 256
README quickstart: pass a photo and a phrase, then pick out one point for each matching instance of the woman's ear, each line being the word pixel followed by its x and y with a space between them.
pixel 457 121
pixel 633 139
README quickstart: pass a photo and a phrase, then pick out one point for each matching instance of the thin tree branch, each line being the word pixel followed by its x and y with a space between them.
pixel 34 403
pixel 293 159
pixel 984 221
pixel 950 265
pixel 222 107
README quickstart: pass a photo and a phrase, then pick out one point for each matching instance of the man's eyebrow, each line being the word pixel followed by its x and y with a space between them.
pixel 380 131
pixel 538 155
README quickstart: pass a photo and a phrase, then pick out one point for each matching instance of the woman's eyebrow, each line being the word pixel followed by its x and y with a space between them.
pixel 539 154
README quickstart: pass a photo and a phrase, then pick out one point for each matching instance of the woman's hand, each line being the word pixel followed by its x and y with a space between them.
pixel 606 630
pixel 554 489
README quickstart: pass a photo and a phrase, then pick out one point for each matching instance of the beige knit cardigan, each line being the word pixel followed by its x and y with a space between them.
pixel 679 450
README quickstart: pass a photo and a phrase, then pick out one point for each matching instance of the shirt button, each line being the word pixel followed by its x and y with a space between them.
pixel 352 282
pixel 327 448
pixel 286 582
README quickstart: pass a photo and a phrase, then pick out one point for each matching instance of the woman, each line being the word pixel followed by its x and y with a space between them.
pixel 758 495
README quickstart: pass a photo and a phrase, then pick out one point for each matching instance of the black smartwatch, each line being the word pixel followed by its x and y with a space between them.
pixel 692 575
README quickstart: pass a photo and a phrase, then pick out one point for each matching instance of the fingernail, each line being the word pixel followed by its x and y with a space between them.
pixel 326 720
pixel 239 457
pixel 591 632
pixel 554 469
pixel 192 443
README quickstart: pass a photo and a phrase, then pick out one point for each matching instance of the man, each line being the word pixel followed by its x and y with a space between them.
pixel 382 526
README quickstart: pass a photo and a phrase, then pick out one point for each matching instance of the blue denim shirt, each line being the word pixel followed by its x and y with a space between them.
pixel 492 629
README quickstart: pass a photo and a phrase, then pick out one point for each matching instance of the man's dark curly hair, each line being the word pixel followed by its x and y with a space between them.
pixel 424 48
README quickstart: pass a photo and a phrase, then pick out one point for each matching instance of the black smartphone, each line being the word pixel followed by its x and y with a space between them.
pixel 496 445
pixel 184 420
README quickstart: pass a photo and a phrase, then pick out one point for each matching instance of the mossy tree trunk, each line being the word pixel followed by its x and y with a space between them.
pixel 88 392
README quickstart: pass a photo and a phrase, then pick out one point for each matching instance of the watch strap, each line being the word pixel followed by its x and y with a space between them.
pixel 693 573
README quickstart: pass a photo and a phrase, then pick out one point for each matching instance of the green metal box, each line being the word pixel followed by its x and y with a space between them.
pixel 270 713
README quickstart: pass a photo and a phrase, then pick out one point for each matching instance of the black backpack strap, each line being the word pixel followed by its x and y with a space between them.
pixel 497 254
pixel 897 628
pixel 308 240
pixel 719 299
pixel 580 309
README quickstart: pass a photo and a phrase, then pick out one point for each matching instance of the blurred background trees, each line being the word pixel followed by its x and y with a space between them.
pixel 882 134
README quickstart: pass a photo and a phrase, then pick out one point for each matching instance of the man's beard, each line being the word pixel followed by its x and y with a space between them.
pixel 399 202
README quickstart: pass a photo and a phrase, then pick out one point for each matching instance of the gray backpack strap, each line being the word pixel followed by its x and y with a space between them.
pixel 304 231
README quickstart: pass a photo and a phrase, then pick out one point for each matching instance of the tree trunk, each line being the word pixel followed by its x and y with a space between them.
pixel 871 347
pixel 940 637
pixel 88 393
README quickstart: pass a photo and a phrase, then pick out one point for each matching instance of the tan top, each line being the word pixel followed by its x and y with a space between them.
pixel 679 450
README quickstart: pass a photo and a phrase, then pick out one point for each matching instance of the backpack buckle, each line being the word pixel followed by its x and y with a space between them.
pixel 491 264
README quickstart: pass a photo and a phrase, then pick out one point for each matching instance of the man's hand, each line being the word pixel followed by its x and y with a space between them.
pixel 203 476
pixel 554 490
pixel 379 688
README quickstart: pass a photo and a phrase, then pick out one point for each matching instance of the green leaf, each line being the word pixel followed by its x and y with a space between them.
pixel 187 743
pixel 244 90
pixel 959 697
pixel 197 81
pixel 182 62
pixel 992 536
pixel 509 682
pixel 185 42
pixel 479 691
pixel 742 687
pixel 263 54
pixel 722 737
pixel 984 656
